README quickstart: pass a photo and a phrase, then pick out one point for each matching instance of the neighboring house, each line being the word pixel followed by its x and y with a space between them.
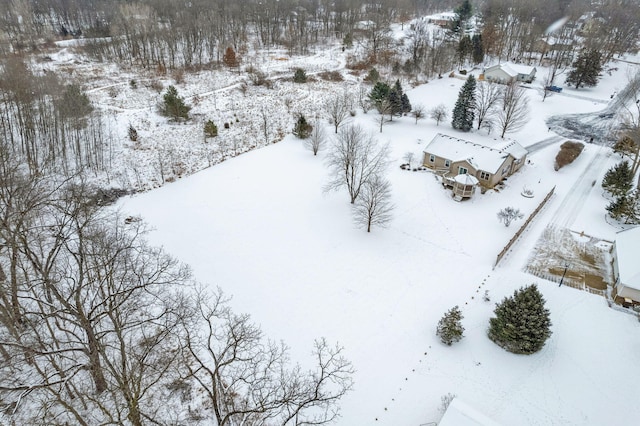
pixel 459 413
pixel 449 157
pixel 626 267
pixel 443 20
pixel 508 72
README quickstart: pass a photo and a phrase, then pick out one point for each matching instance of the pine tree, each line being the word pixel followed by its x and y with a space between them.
pixel 618 180
pixel 585 69
pixel 406 105
pixel 395 98
pixel 299 76
pixel 465 48
pixel 625 208
pixel 302 128
pixel 174 106
pixel 522 323
pixel 379 93
pixel 477 49
pixel 210 129
pixel 450 327
pixel 464 110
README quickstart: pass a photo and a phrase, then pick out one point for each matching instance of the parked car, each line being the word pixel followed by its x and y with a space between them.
pixel 554 89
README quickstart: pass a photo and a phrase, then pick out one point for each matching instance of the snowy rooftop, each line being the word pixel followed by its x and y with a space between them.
pixel 480 156
pixel 514 69
pixel 513 148
pixel 449 16
pixel 460 414
pixel 466 179
pixel 627 244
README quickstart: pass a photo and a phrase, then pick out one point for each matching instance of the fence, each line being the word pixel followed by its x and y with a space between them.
pixel 569 282
pixel 523 227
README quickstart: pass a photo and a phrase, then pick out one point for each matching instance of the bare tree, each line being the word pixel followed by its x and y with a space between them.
pixel 418 112
pixel 373 206
pixel 487 98
pixel 247 380
pixel 384 108
pixel 439 113
pixel 355 158
pixel 515 108
pixel 508 215
pixel 338 108
pixel 317 140
pixel 363 99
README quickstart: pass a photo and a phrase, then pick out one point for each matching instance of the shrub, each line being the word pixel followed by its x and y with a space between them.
pixel 522 324
pixel 331 76
pixel 569 151
pixel 508 215
pixel 133 133
pixel 373 76
pixel 299 76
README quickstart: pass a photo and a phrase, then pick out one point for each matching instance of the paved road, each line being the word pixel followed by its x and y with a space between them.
pixel 602 125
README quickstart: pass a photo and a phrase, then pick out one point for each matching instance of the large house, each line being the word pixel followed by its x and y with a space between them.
pixel 449 157
pixel 507 72
pixel 626 268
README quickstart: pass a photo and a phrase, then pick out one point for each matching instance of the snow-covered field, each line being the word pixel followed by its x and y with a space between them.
pixel 261 227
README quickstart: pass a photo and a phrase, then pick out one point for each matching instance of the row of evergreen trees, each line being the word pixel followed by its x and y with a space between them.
pixel 521 324
pixel 618 182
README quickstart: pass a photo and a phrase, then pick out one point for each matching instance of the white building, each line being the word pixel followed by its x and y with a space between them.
pixel 508 72
pixel 626 267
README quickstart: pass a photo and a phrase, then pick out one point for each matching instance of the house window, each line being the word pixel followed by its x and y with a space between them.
pixel 447 163
pixel 462 171
pixel 485 175
pixel 432 158
pixel 505 170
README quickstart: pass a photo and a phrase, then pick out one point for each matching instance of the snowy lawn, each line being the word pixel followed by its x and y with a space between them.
pixel 260 227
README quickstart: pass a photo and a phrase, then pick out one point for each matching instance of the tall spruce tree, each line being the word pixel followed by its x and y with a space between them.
pixel 450 327
pixel 464 110
pixel 477 49
pixel 522 323
pixel 585 69
pixel 618 180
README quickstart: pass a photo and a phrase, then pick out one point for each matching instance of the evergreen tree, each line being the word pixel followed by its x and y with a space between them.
pixel 174 106
pixel 133 133
pixel 299 76
pixel 302 128
pixel 406 105
pixel 625 208
pixel 477 50
pixel 395 98
pixel 373 76
pixel 379 93
pixel 464 110
pixel 210 129
pixel 522 323
pixel 463 12
pixel 465 48
pixel 618 180
pixel 585 69
pixel 450 327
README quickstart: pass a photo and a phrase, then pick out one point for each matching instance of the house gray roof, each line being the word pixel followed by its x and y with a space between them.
pixel 512 69
pixel 627 244
pixel 488 159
